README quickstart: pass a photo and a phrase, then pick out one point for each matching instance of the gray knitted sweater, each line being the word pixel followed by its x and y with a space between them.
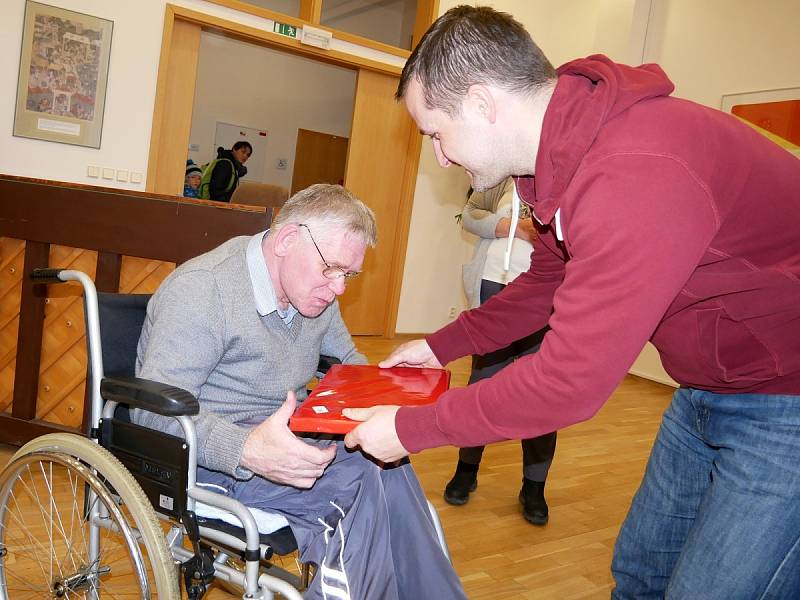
pixel 203 334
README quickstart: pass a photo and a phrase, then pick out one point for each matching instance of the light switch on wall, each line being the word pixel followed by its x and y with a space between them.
pixel 93 171
pixel 108 173
pixel 122 175
pixel 136 177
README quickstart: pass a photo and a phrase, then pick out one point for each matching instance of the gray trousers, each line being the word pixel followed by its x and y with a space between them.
pixel 367 529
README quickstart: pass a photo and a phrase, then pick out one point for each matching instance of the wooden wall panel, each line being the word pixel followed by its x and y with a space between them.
pixel 143 276
pixel 62 371
pixel 64 359
pixel 12 254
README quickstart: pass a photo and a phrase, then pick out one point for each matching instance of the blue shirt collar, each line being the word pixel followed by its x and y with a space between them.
pixel 263 292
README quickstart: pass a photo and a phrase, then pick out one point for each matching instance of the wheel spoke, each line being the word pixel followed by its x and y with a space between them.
pixel 20 520
pixel 53 509
pixel 28 585
pixel 39 505
pixel 46 529
pixel 70 551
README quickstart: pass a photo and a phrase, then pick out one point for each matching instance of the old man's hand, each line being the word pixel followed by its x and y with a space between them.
pixel 275 453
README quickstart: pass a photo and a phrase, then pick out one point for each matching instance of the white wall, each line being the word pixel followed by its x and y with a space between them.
pixel 437 247
pixel 133 69
pixel 270 90
pixel 135 46
pixel 718 47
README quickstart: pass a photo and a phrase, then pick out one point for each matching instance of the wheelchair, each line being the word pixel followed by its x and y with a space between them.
pixel 118 513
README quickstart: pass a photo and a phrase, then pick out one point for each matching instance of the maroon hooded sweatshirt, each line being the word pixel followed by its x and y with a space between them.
pixel 680 225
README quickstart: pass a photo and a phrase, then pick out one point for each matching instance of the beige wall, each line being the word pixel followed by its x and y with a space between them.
pixel 269 90
pixel 708 48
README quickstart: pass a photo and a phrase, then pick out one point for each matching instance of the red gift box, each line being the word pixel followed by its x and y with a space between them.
pixel 360 386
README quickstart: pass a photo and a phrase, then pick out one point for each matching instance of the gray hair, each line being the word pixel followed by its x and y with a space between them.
pixel 328 208
pixel 471 45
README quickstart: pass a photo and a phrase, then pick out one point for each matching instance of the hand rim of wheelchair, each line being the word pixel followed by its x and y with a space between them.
pixel 88 465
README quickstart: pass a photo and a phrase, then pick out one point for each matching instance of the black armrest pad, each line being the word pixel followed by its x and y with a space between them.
pixel 149 395
pixel 326 362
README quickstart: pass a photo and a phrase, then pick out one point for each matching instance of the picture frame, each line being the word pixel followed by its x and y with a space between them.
pixel 63 73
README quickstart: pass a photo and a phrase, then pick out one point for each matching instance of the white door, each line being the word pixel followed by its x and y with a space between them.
pixel 227 135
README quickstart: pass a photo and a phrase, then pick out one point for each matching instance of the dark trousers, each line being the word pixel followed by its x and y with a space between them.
pixel 538 452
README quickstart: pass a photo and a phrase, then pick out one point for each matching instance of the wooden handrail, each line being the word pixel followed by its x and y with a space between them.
pixel 120 222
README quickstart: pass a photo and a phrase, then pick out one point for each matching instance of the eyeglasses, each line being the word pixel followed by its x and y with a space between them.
pixel 330 271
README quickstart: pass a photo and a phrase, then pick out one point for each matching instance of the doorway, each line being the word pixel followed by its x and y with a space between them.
pixel 279 93
pixel 383 175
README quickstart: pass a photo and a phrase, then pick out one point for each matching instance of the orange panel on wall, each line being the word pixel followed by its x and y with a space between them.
pixel 780 118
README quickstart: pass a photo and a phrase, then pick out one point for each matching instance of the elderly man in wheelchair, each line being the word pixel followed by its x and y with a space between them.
pixel 225 336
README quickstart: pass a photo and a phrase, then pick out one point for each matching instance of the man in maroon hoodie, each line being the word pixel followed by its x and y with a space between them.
pixel 665 221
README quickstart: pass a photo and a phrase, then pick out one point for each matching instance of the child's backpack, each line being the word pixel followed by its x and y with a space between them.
pixel 205 181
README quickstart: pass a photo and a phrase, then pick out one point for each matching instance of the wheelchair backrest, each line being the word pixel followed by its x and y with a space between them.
pixel 121 321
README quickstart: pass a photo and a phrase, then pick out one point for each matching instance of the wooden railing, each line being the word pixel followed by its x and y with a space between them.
pixel 137 239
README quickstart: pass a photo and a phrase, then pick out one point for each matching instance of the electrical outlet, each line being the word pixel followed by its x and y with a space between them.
pixel 451 313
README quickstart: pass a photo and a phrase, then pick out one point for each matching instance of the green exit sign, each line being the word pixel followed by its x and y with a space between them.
pixel 284 29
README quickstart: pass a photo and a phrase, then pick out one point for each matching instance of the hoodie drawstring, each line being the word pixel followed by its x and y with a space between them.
pixel 513 229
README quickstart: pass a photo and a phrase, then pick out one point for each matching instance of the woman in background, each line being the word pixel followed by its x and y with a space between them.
pixel 488 215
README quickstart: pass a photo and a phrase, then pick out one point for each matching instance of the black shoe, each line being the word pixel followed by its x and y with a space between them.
pixel 534 506
pixel 463 482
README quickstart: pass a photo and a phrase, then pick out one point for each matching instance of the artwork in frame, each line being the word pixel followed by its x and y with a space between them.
pixel 63 72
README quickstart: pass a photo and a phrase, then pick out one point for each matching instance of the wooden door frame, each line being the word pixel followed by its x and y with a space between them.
pixel 165 170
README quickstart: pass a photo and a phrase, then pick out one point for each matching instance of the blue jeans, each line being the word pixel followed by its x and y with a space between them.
pixel 717 515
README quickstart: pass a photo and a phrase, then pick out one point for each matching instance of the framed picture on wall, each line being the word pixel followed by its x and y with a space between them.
pixel 63 71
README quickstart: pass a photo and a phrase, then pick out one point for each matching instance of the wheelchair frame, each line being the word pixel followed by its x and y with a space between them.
pixel 109 484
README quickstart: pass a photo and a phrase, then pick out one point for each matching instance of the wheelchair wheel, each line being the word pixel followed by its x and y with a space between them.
pixel 50 544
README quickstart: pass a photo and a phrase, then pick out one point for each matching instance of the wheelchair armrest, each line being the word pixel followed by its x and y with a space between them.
pixel 149 395
pixel 326 362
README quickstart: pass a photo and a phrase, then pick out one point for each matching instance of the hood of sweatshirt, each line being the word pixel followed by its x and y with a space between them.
pixel 590 92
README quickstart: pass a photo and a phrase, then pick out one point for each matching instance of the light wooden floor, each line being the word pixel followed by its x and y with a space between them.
pixel 597 468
